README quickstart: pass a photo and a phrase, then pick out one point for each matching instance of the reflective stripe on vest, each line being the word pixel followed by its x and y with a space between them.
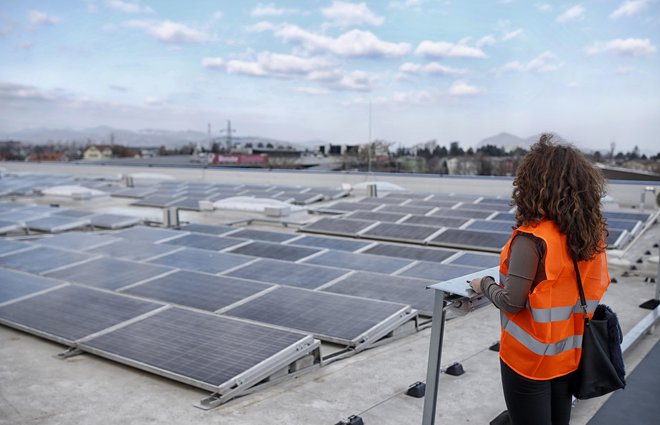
pixel 536 346
pixel 557 314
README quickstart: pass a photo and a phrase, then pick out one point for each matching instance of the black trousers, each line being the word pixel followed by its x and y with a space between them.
pixel 532 402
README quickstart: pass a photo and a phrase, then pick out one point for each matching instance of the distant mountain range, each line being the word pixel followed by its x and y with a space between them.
pixel 171 139
pixel 142 138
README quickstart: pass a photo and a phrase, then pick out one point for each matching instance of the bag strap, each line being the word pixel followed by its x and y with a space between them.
pixel 583 301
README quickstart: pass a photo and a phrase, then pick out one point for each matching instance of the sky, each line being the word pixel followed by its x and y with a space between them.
pixel 404 71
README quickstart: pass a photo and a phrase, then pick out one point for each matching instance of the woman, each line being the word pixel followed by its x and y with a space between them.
pixel 557 194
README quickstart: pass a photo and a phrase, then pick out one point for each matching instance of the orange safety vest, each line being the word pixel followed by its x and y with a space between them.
pixel 544 340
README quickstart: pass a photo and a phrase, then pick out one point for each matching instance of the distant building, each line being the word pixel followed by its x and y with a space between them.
pixel 339 149
pixel 47 156
pixel 96 152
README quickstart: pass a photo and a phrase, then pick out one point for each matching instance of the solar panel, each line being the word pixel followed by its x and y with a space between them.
pixel 290 274
pixel 337 226
pixel 113 221
pixel 643 217
pixel 15 284
pixel 201 260
pixel 134 192
pixel 407 195
pixel 188 203
pixel 276 251
pixel 381 201
pixel 329 317
pixel 398 289
pixel 405 209
pixel 8 246
pixel 629 225
pixel 438 272
pixel 201 241
pixel 72 213
pixel 262 235
pixel 615 238
pixel 211 229
pixel 198 290
pixel 349 206
pixel 436 221
pixel 41 259
pixel 9 226
pixel 491 225
pixel 133 250
pixel 438 203
pixel 72 312
pixel 498 201
pixel 485 207
pixel 146 234
pixel 158 201
pixel 201 349
pixel 446 212
pixel 477 260
pixel 348 260
pixel 376 216
pixel 476 239
pixel 459 197
pixel 54 224
pixel 77 241
pixel 411 252
pixel 20 216
pixel 109 273
pixel 502 216
pixel 400 232
pixel 330 243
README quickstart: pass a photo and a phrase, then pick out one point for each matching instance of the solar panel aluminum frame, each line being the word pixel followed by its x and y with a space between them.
pixel 240 384
pixel 370 337
pixel 620 241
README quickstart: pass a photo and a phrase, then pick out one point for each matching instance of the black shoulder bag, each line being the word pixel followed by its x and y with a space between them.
pixel 601 368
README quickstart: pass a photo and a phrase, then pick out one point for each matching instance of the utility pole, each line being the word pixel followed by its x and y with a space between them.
pixel 229 131
pixel 369 145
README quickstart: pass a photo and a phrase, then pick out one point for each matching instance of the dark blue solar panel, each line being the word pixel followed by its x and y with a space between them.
pixel 347 260
pixel 201 260
pixel 41 259
pixel 8 245
pixel 477 260
pixel 146 234
pixel 276 251
pixel 330 243
pixel 263 235
pixel 438 272
pixel 133 250
pixel 411 252
pixel 73 312
pixel 211 229
pixel 198 290
pixel 290 274
pixel 109 273
pixel 78 241
pixel 201 241
pixel 195 345
pixel 323 314
pixel 16 284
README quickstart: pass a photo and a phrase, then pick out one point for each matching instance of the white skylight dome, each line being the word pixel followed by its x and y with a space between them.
pixel 75 192
pixel 247 203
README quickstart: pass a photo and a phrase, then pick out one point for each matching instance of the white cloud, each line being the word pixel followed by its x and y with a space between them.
pixel 128 7
pixel 572 13
pixel 169 31
pixel 624 70
pixel 544 7
pixel 271 10
pixel 37 18
pixel 10 92
pixel 545 62
pixel 629 8
pixel 154 101
pixel 450 50
pixel 344 14
pixel 355 80
pixel 512 34
pixel 271 64
pixel 573 85
pixel 213 63
pixel 487 40
pixel 354 43
pixel 461 88
pixel 625 47
pixel 432 68
pixel 261 27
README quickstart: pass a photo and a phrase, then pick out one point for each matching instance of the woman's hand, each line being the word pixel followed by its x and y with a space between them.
pixel 475 284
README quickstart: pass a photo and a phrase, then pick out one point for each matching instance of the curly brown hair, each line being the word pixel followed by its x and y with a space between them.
pixel 556 182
